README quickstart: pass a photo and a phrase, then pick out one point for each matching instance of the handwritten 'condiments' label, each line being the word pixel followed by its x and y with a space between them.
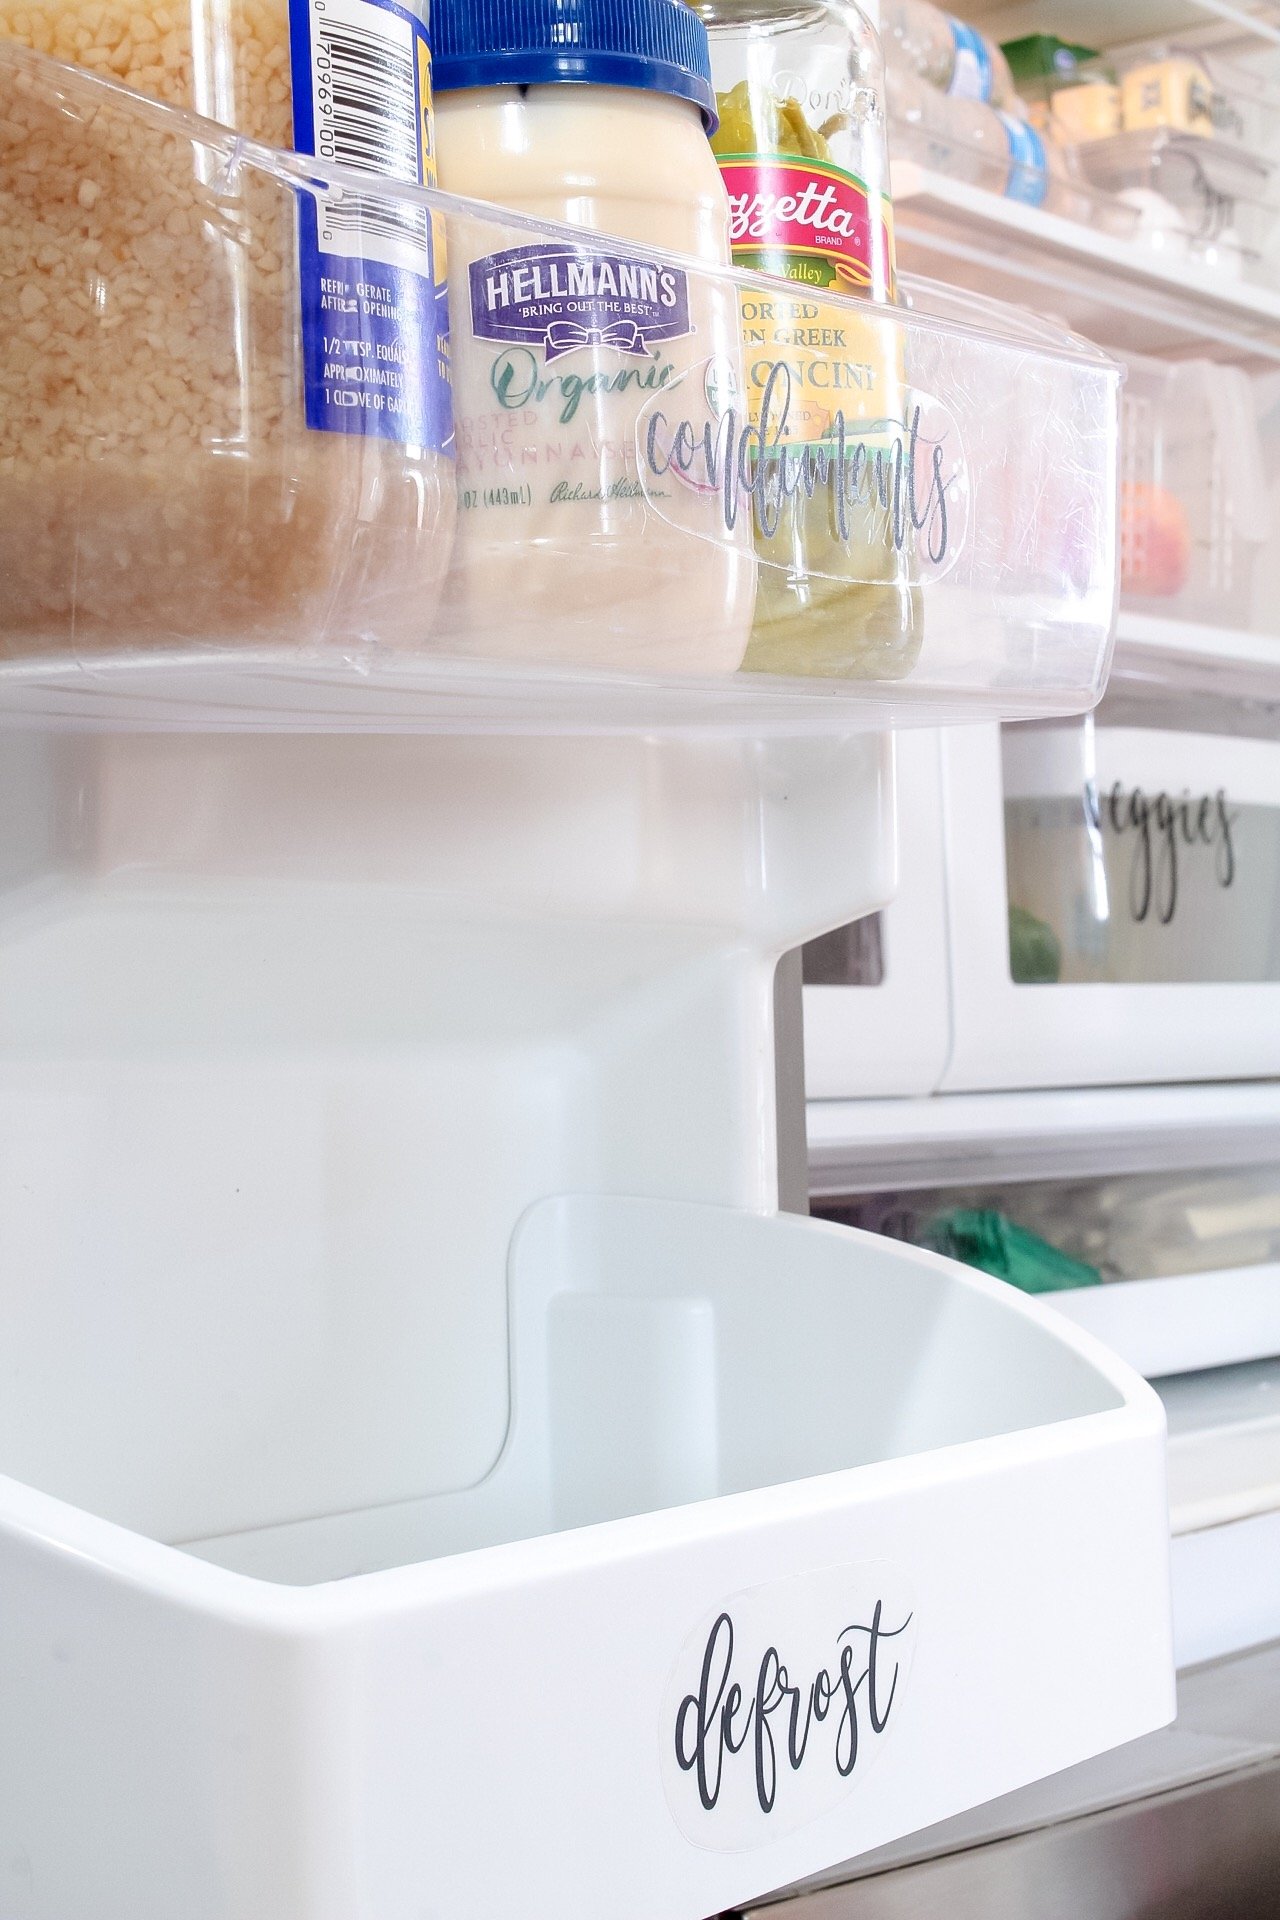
pixel 781 1699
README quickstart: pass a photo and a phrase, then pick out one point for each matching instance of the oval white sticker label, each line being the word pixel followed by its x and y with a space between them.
pixel 781 1699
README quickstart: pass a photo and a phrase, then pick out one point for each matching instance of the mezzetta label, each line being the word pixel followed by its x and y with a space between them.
pixel 781 1699
pixel 809 220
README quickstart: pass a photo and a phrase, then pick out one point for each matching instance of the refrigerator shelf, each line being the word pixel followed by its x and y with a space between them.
pixel 1184 1322
pixel 1101 24
pixel 284 692
pixel 1105 286
pixel 955 1139
pixel 1224 1446
pixel 902 514
pixel 1226 1582
pixel 1180 656
pixel 897 1479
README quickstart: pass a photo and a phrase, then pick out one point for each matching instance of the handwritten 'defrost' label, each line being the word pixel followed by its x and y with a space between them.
pixel 781 1700
pixel 561 299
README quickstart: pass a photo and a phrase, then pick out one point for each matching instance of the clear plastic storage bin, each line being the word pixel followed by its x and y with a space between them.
pixel 1197 91
pixel 177 542
pixel 972 142
pixel 1176 1270
pixel 1194 506
pixel 159 483
pixel 1128 1227
pixel 1210 198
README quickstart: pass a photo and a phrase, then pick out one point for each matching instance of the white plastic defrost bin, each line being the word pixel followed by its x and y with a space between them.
pixel 597 1704
pixel 370 1510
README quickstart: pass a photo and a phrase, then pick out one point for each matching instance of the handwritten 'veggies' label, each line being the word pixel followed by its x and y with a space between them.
pixel 1167 829
pixel 780 1701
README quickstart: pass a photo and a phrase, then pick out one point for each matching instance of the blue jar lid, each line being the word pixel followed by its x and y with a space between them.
pixel 657 44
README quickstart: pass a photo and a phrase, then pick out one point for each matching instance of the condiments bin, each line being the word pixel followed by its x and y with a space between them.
pixel 210 569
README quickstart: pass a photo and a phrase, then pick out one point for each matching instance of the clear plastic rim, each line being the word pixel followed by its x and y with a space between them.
pixel 930 305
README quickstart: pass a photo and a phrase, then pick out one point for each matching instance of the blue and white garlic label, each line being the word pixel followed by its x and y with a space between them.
pixel 375 315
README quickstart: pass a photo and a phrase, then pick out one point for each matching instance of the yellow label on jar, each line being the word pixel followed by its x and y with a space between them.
pixel 1168 93
pixel 836 363
pixel 1080 114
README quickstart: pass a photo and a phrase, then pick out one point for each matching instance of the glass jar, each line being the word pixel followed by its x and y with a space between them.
pixel 802 148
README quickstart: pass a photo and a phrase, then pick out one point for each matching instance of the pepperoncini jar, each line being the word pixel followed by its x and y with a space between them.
pixel 803 153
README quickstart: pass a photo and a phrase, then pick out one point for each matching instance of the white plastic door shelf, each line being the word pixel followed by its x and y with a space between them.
pixel 647 1676
pixel 1183 1322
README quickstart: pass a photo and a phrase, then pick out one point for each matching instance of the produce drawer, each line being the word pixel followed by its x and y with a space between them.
pixel 1113 898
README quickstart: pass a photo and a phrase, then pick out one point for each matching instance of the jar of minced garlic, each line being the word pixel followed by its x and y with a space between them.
pixel 224 403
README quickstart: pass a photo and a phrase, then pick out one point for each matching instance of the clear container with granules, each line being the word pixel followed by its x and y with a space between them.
pixel 271 462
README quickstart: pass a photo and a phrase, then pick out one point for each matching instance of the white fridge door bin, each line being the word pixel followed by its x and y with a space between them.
pixel 1170 966
pixel 893 1034
pixel 523 1696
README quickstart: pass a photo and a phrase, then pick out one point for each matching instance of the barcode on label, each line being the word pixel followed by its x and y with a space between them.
pixel 368 215
pixel 364 81
pixel 369 119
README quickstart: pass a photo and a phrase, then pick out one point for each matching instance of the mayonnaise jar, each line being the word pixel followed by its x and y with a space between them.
pixel 575 363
